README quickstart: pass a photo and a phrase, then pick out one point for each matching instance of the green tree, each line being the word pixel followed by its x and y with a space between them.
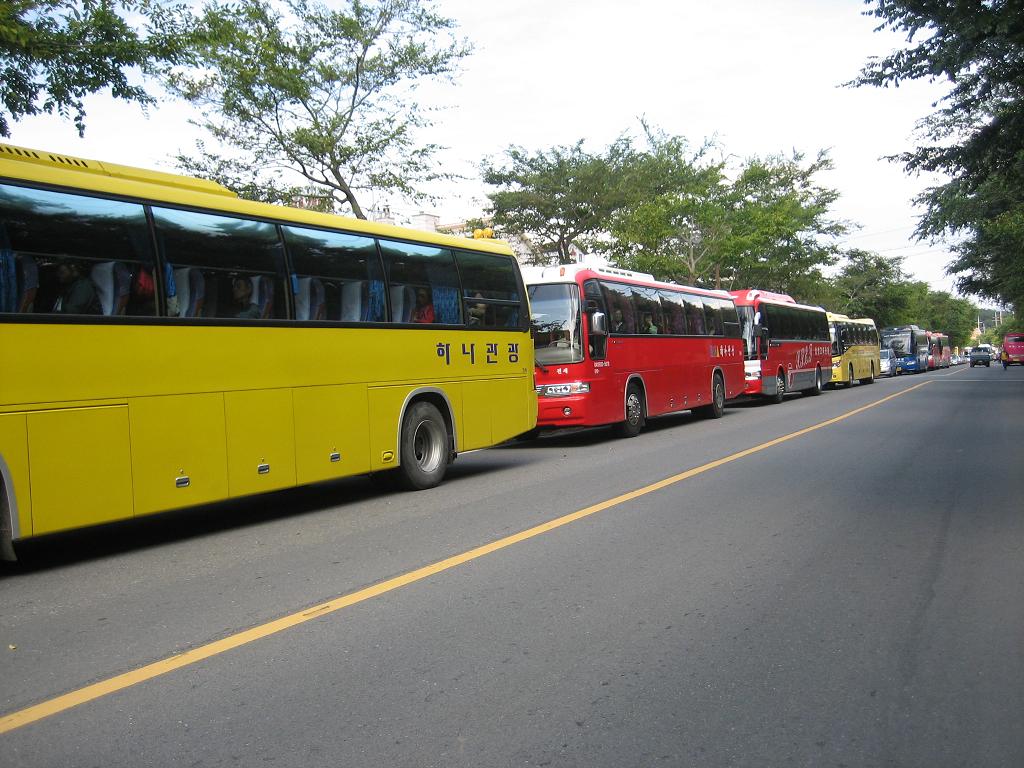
pixel 871 285
pixel 976 134
pixel 54 53
pixel 556 198
pixel 687 221
pixel 951 315
pixel 995 333
pixel 783 228
pixel 674 216
pixel 318 94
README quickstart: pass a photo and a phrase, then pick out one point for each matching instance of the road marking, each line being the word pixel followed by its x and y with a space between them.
pixel 117 683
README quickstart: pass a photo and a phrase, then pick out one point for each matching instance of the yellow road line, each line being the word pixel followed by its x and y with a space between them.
pixel 65 702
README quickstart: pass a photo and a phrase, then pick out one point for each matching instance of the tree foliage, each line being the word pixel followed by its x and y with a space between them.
pixel 947 313
pixel 556 198
pixel 322 95
pixel 54 53
pixel 783 224
pixel 686 220
pixel 994 334
pixel 976 134
pixel 670 209
pixel 674 219
pixel 871 285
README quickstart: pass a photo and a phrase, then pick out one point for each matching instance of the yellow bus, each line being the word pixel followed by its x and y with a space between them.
pixel 167 344
pixel 855 350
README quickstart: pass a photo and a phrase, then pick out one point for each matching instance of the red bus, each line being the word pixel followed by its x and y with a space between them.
pixel 940 354
pixel 617 347
pixel 787 347
pixel 1013 350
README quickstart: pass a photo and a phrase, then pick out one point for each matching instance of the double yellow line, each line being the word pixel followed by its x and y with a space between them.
pixel 111 685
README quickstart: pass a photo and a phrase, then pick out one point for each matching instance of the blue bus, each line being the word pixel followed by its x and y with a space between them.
pixel 909 345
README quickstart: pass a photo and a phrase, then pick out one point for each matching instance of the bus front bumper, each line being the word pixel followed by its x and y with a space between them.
pixel 568 411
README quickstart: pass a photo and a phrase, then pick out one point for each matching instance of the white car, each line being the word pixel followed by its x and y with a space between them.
pixel 885 362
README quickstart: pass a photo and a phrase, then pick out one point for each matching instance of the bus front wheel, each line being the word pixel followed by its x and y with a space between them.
pixel 634 420
pixel 424 446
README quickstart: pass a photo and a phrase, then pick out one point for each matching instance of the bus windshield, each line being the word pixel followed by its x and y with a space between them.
pixel 555 323
pixel 898 342
pixel 747 331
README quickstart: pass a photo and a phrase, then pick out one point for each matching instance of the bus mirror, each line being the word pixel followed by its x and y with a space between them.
pixel 763 333
pixel 599 324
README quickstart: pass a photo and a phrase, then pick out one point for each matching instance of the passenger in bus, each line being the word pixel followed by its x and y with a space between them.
pixel 423 312
pixel 241 290
pixel 618 324
pixel 477 312
pixel 78 295
pixel 649 326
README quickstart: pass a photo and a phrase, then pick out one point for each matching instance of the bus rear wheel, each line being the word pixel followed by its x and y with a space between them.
pixel 870 379
pixel 424 447
pixel 716 408
pixel 818 384
pixel 634 420
pixel 6 528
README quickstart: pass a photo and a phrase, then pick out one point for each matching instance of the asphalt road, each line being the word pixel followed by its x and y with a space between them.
pixel 850 596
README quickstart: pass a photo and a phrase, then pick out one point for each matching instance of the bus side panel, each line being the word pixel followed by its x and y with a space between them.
pixel 261 440
pixel 179 451
pixel 384 405
pixel 14 453
pixel 332 432
pixel 80 465
pixel 479 398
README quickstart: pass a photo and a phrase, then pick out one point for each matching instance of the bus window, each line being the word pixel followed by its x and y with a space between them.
pixel 674 308
pixel 748 330
pixel 647 304
pixel 730 318
pixel 338 277
pixel 713 317
pixel 771 318
pixel 412 267
pixel 621 314
pixel 491 281
pixel 222 266
pixel 73 254
pixel 695 315
pixel 593 297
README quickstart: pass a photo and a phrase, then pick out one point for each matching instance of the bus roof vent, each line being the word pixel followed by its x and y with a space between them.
pixel 71 163
pixel 10 152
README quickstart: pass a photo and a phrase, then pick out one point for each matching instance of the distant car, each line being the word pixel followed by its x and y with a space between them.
pixel 885 362
pixel 955 360
pixel 981 356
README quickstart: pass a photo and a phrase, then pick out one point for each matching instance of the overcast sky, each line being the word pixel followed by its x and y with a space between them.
pixel 762 76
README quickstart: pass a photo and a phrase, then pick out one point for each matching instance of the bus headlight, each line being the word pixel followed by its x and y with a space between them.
pixel 563 390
